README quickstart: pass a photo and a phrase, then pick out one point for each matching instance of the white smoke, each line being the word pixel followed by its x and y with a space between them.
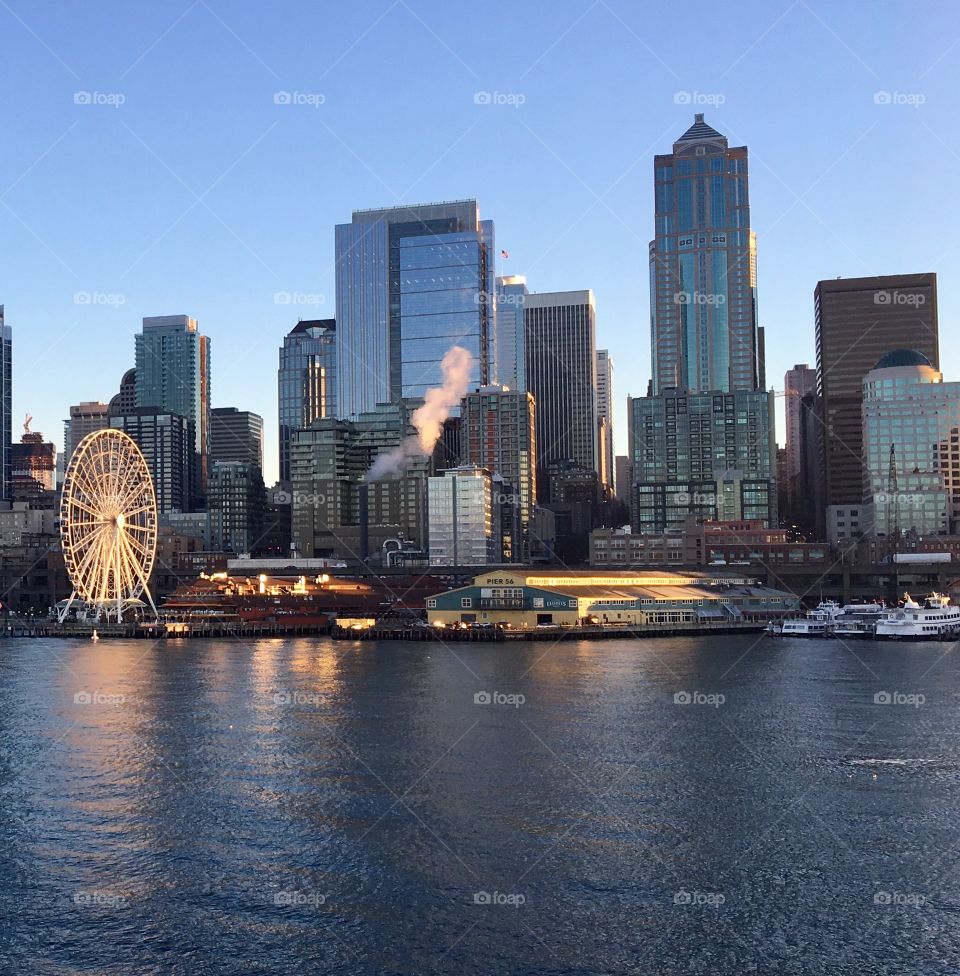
pixel 428 419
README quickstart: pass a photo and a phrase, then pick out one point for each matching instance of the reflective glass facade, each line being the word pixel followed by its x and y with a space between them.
pixel 306 381
pixel 911 444
pixel 703 300
pixel 411 283
pixel 509 342
pixel 173 374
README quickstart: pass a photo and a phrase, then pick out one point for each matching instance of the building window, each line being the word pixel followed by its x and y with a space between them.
pixel 431 603
pixel 466 602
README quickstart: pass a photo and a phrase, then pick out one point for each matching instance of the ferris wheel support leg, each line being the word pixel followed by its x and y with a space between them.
pixel 62 615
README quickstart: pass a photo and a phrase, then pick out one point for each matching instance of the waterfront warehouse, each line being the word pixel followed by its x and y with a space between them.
pixel 523 598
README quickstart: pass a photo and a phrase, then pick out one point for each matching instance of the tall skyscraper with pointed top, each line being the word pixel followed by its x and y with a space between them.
pixel 703 268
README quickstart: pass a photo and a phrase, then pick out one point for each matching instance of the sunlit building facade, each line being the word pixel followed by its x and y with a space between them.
pixel 510 338
pixel 463 518
pixel 498 433
pixel 703 287
pixel 911 443
pixel 411 283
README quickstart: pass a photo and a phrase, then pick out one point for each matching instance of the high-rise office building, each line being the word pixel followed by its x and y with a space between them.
pixel 6 408
pixel 166 441
pixel 236 500
pixel 561 372
pixel 84 419
pixel 306 381
pixel 858 321
pixel 911 443
pixel 236 435
pixel 710 455
pixel 411 283
pixel 463 522
pixel 335 511
pixel 498 433
pixel 510 338
pixel 173 375
pixel 797 383
pixel 605 403
pixel 703 274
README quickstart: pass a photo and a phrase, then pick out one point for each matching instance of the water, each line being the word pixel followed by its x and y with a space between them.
pixel 310 807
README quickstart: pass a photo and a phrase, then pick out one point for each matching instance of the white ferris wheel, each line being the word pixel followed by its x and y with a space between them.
pixel 108 524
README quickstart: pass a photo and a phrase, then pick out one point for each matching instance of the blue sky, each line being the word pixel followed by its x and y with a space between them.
pixel 181 186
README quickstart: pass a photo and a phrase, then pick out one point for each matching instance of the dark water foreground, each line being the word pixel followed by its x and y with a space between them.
pixel 726 805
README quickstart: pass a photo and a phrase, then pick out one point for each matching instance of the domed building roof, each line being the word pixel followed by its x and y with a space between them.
pixel 902 357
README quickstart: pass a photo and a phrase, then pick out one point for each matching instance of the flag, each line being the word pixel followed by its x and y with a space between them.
pixel 504 254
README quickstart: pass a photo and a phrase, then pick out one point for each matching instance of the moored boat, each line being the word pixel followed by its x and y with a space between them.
pixel 934 619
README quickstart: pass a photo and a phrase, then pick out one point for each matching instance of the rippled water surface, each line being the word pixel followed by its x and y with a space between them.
pixel 727 805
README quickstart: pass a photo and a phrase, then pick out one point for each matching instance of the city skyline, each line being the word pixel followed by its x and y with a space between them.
pixel 257 252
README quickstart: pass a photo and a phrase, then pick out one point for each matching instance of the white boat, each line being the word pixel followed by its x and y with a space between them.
pixel 816 623
pixel 936 619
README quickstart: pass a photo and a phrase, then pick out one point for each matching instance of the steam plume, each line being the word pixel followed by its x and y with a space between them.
pixel 429 418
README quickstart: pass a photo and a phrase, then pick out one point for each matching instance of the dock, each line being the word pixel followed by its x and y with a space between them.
pixel 509 634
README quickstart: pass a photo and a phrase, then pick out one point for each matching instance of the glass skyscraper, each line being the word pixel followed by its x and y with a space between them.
pixel 703 295
pixel 173 374
pixel 6 409
pixel 911 445
pixel 306 381
pixel 411 283
pixel 510 344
